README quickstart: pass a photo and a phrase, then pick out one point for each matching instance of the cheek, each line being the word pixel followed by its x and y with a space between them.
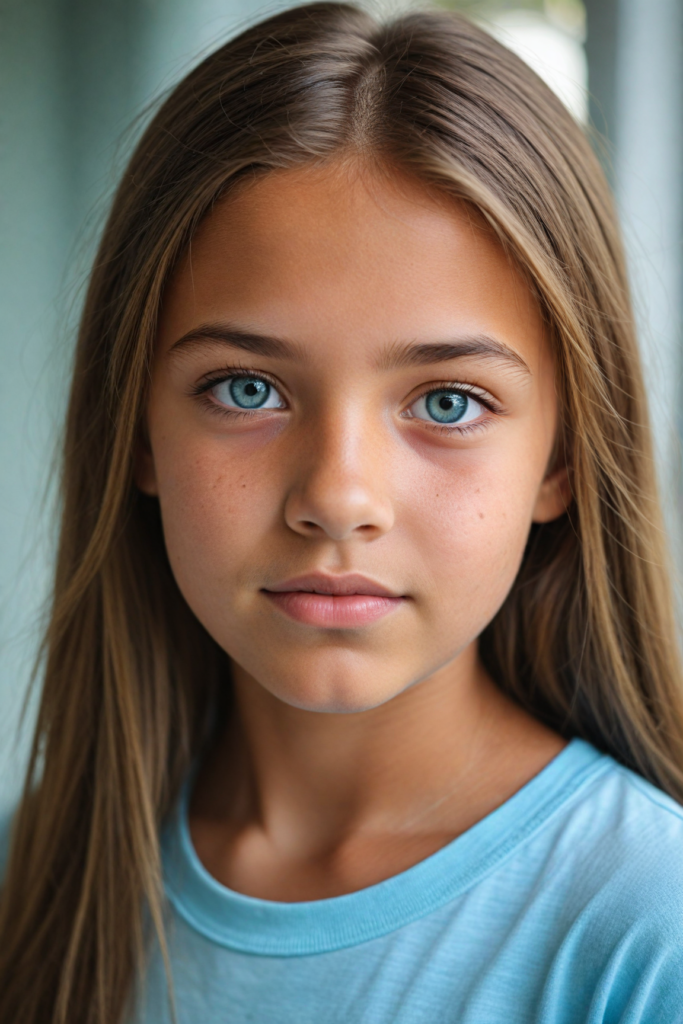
pixel 217 502
pixel 472 519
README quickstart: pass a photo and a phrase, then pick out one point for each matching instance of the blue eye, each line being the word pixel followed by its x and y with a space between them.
pixel 447 407
pixel 247 393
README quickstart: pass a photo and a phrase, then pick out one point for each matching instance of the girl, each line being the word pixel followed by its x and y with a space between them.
pixel 362 699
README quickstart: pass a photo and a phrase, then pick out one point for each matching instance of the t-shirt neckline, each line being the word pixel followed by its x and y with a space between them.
pixel 271 928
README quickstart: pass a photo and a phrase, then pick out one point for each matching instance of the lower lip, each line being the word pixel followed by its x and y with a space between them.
pixel 333 611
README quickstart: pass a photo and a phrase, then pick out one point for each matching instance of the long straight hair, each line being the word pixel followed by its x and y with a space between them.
pixel 586 639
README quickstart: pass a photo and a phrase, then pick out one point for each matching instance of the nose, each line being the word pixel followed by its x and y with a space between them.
pixel 340 490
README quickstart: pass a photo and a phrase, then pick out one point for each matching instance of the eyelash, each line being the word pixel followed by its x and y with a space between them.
pixel 479 394
pixel 202 388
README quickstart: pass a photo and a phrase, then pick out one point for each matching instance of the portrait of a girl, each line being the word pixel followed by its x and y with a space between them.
pixel 361 693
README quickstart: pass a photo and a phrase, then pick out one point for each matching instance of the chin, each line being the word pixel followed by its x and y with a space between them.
pixel 332 679
pixel 337 693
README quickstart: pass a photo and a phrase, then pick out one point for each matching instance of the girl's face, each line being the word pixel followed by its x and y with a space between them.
pixel 352 394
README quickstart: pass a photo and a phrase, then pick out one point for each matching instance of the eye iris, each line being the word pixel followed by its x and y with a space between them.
pixel 249 392
pixel 446 406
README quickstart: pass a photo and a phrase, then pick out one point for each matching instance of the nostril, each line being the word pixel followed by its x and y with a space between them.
pixel 338 516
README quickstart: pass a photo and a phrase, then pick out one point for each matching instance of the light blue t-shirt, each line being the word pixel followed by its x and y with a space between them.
pixel 563 906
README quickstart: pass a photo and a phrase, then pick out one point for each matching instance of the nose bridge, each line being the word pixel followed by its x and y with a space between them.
pixel 340 487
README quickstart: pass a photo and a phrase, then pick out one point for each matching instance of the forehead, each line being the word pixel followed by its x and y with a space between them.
pixel 354 257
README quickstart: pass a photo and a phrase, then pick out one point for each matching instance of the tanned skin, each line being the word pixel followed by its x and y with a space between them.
pixel 356 749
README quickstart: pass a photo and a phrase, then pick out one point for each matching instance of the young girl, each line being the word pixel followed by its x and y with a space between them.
pixel 362 698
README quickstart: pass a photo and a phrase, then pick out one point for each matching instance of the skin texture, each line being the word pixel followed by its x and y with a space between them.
pixel 354 752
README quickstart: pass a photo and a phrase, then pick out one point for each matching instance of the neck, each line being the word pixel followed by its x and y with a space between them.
pixel 301 786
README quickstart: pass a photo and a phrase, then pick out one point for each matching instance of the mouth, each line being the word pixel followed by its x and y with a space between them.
pixel 333 602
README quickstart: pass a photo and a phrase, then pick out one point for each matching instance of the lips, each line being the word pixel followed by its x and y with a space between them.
pixel 333 602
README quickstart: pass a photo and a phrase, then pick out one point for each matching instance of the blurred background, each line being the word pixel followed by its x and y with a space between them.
pixel 78 79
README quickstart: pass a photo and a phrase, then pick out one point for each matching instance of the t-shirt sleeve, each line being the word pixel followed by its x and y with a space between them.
pixel 622 961
pixel 649 992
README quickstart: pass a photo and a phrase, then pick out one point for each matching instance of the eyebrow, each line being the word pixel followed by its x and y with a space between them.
pixel 248 341
pixel 396 356
pixel 424 353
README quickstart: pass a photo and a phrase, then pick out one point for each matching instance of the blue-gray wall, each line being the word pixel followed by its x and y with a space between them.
pixel 35 232
pixel 75 73
pixel 635 56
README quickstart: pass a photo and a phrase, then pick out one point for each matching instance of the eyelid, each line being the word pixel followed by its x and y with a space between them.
pixel 209 380
pixel 214 377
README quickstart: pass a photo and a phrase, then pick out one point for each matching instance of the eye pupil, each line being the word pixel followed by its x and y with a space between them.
pixel 249 392
pixel 446 406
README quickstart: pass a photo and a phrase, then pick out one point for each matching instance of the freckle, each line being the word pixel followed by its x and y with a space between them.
pixel 481 515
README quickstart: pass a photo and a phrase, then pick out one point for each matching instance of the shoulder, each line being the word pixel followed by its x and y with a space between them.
pixel 621 839
pixel 636 829
pixel 599 827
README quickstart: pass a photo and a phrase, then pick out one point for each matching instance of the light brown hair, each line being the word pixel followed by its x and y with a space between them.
pixel 586 639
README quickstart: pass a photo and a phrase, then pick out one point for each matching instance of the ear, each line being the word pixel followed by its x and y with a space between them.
pixel 554 496
pixel 144 470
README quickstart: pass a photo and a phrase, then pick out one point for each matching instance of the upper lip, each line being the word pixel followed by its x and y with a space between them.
pixel 322 583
